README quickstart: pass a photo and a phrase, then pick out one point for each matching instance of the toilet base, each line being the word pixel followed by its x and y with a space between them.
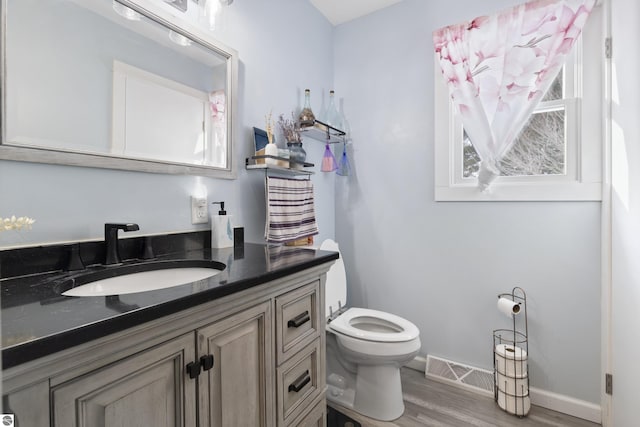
pixel 375 392
pixel 379 392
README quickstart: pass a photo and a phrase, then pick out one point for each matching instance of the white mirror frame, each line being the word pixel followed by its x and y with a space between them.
pixel 50 156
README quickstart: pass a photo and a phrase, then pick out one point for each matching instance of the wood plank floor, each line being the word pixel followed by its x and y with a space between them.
pixel 431 403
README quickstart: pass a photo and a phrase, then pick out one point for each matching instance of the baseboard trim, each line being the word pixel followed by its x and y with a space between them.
pixel 418 363
pixel 566 404
pixel 543 398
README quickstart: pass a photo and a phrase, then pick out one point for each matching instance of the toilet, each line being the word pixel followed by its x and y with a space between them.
pixel 365 350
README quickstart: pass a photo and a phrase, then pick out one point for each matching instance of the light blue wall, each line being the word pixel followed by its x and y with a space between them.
pixel 441 265
pixel 284 47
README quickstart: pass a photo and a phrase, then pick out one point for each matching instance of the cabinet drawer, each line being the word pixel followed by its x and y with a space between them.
pixel 316 417
pixel 300 381
pixel 297 319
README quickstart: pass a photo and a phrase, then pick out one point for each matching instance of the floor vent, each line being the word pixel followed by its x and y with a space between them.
pixel 468 377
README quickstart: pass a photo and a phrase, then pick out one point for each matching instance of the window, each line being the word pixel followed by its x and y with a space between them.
pixel 557 154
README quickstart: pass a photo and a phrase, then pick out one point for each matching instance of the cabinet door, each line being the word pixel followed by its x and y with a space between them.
pixel 238 389
pixel 29 406
pixel 150 388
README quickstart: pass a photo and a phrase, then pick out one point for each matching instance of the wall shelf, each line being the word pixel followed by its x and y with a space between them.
pixel 323 132
pixel 254 163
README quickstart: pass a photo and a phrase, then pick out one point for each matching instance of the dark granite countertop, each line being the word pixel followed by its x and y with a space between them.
pixel 37 320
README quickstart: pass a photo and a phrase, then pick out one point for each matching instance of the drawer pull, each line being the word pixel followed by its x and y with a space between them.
pixel 299 383
pixel 299 320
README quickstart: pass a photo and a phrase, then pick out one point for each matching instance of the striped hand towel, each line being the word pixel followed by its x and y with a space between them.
pixel 290 210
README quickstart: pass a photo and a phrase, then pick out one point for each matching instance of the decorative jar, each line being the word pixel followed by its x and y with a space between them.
pixel 296 154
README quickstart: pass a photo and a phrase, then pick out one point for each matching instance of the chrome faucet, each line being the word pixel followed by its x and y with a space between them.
pixel 111 241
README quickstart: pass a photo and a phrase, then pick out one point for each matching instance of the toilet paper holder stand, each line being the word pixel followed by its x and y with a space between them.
pixel 511 377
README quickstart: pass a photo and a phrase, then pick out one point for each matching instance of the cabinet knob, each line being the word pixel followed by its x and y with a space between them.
pixel 193 369
pixel 206 362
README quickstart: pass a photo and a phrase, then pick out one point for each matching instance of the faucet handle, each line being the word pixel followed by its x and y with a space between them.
pixel 75 260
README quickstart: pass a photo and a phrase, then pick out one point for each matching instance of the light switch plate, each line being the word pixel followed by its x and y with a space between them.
pixel 199 210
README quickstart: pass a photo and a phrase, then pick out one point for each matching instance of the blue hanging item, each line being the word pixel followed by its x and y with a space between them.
pixel 344 168
pixel 329 163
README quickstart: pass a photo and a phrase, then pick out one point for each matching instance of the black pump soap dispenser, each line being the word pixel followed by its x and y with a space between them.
pixel 221 228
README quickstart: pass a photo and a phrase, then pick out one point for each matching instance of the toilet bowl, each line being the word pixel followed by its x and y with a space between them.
pixel 365 350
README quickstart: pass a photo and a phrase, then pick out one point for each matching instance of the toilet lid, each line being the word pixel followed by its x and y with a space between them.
pixel 336 285
pixel 374 325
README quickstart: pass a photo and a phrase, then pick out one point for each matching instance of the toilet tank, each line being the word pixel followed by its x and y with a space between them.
pixel 336 285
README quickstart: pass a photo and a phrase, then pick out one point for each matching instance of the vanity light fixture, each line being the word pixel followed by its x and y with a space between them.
pixel 125 12
pixel 179 39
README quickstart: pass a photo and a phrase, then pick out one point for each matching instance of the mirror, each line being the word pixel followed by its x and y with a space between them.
pixel 115 84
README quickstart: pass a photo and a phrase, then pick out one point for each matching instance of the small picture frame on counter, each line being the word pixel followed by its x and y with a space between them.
pixel 260 140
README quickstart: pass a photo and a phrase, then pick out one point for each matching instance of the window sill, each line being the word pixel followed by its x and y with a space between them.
pixel 520 192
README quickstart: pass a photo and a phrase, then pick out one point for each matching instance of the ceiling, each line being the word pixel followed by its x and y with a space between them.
pixel 340 11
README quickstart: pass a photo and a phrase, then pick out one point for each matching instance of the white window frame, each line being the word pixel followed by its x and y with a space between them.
pixel 584 135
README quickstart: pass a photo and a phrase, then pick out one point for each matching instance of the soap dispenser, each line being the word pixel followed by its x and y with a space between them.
pixel 221 228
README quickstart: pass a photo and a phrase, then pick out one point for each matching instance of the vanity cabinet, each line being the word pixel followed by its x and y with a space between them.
pixel 155 388
pixel 252 358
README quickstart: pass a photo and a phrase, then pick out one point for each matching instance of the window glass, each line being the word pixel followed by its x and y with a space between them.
pixel 540 148
pixel 555 91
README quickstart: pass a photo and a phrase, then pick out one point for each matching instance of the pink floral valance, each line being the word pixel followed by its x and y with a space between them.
pixel 499 67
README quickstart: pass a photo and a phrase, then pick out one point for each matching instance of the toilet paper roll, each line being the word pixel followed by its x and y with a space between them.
pixel 518 387
pixel 511 360
pixel 508 307
pixel 514 405
pixel 512 352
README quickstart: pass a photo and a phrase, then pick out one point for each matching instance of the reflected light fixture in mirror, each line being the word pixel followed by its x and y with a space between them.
pixel 210 11
pixel 179 39
pixel 125 12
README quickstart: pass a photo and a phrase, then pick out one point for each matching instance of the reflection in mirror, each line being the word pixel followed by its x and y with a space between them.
pixel 109 78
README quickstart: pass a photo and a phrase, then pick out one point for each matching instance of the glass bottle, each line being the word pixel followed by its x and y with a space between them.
pixel 333 117
pixel 306 117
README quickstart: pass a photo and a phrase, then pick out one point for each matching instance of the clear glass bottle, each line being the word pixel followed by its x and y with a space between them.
pixel 306 117
pixel 333 116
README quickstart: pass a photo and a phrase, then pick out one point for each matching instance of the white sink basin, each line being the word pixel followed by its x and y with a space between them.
pixel 142 281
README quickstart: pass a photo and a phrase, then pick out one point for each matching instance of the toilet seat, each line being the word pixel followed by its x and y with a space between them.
pixel 373 325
